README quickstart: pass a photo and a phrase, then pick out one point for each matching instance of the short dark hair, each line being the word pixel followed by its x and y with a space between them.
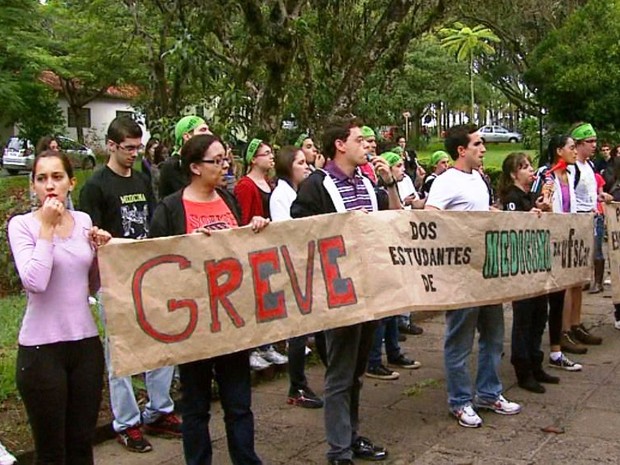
pixel 49 154
pixel 44 144
pixel 284 161
pixel 194 149
pixel 123 127
pixel 458 136
pixel 338 129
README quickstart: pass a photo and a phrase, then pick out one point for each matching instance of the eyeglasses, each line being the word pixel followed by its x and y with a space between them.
pixel 130 148
pixel 266 153
pixel 215 161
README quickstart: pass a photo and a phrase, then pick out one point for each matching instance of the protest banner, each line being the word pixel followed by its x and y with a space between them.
pixel 184 298
pixel 612 218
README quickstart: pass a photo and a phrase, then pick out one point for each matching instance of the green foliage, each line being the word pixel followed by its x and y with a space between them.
pixel 575 68
pixel 14 199
pixel 11 312
pixel 40 115
pixel 529 127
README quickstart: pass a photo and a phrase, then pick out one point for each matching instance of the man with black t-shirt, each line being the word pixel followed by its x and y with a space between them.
pixel 120 200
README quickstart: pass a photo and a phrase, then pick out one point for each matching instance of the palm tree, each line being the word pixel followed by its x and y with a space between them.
pixel 466 43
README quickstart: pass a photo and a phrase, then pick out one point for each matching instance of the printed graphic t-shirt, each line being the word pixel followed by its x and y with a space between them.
pixel 123 206
pixel 209 215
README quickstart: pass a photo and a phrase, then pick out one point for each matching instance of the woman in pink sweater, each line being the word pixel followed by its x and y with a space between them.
pixel 60 357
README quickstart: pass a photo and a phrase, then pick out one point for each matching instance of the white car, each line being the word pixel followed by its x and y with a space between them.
pixel 19 154
pixel 499 134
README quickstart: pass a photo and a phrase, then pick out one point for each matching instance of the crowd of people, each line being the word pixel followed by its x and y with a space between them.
pixel 195 190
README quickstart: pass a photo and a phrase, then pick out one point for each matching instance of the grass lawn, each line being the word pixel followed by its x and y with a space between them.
pixel 492 159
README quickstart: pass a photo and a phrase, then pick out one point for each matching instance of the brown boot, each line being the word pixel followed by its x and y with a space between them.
pixel 599 272
pixel 581 334
pixel 569 345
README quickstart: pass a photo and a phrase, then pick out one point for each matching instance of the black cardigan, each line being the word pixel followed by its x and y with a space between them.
pixel 169 216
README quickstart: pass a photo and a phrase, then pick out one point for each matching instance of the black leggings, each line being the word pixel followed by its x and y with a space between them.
pixel 61 385
pixel 556 307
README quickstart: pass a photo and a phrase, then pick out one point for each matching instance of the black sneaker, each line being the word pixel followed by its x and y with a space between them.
pixel 381 372
pixel 305 398
pixel 364 449
pixel 411 328
pixel 166 426
pixel 404 362
pixel 133 440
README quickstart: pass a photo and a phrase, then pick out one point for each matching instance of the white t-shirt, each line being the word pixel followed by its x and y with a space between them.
pixel 406 188
pixel 281 200
pixel 459 191
pixel 585 192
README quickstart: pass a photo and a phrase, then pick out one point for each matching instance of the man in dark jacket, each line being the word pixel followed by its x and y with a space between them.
pixel 342 187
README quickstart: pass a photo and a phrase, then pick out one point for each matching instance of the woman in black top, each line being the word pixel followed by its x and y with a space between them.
pixel 529 315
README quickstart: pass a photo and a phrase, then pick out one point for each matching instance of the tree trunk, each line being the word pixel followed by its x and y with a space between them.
pixel 471 87
pixel 79 130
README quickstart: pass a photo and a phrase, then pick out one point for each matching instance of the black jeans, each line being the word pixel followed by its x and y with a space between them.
pixel 232 374
pixel 556 308
pixel 529 318
pixel 61 385
pixel 297 359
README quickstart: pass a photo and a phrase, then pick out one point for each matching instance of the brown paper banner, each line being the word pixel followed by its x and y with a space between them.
pixel 612 219
pixel 185 298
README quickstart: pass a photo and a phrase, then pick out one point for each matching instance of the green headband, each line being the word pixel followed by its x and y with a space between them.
pixel 300 140
pixel 397 150
pixel 391 157
pixel 367 132
pixel 185 125
pixel 251 150
pixel 583 131
pixel 438 156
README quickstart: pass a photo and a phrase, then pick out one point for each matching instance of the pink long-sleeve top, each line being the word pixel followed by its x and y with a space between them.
pixel 58 277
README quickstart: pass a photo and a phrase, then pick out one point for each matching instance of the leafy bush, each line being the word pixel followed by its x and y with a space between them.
pixel 13 200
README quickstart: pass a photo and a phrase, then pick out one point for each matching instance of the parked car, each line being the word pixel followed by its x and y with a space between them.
pixel 499 134
pixel 19 154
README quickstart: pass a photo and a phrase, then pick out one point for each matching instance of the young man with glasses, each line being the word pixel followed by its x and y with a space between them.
pixel 462 188
pixel 120 200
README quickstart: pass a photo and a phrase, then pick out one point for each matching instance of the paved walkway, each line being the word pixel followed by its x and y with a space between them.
pixel 410 416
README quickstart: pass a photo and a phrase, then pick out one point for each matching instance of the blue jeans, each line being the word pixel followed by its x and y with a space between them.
pixel 461 327
pixel 599 235
pixel 387 329
pixel 232 374
pixel 123 400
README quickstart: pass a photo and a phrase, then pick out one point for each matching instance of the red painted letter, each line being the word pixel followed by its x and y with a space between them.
pixel 173 304
pixel 304 301
pixel 219 292
pixel 340 291
pixel 269 305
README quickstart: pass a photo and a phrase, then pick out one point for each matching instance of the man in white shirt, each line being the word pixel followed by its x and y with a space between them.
pixel 462 188
pixel 586 195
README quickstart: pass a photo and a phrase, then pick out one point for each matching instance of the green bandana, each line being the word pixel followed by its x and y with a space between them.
pixel 391 157
pixel 583 131
pixel 251 150
pixel 300 140
pixel 367 132
pixel 185 125
pixel 398 150
pixel 438 156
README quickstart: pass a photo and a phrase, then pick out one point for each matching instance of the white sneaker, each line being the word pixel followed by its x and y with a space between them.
pixel 617 324
pixel 258 363
pixel 273 356
pixel 468 417
pixel 6 458
pixel 501 406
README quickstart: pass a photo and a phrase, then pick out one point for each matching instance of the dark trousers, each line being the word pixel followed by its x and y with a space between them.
pixel 61 385
pixel 528 325
pixel 347 356
pixel 617 312
pixel 232 374
pixel 387 329
pixel 297 359
pixel 556 308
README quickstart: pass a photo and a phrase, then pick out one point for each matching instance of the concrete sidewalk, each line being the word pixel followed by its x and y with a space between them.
pixel 410 415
